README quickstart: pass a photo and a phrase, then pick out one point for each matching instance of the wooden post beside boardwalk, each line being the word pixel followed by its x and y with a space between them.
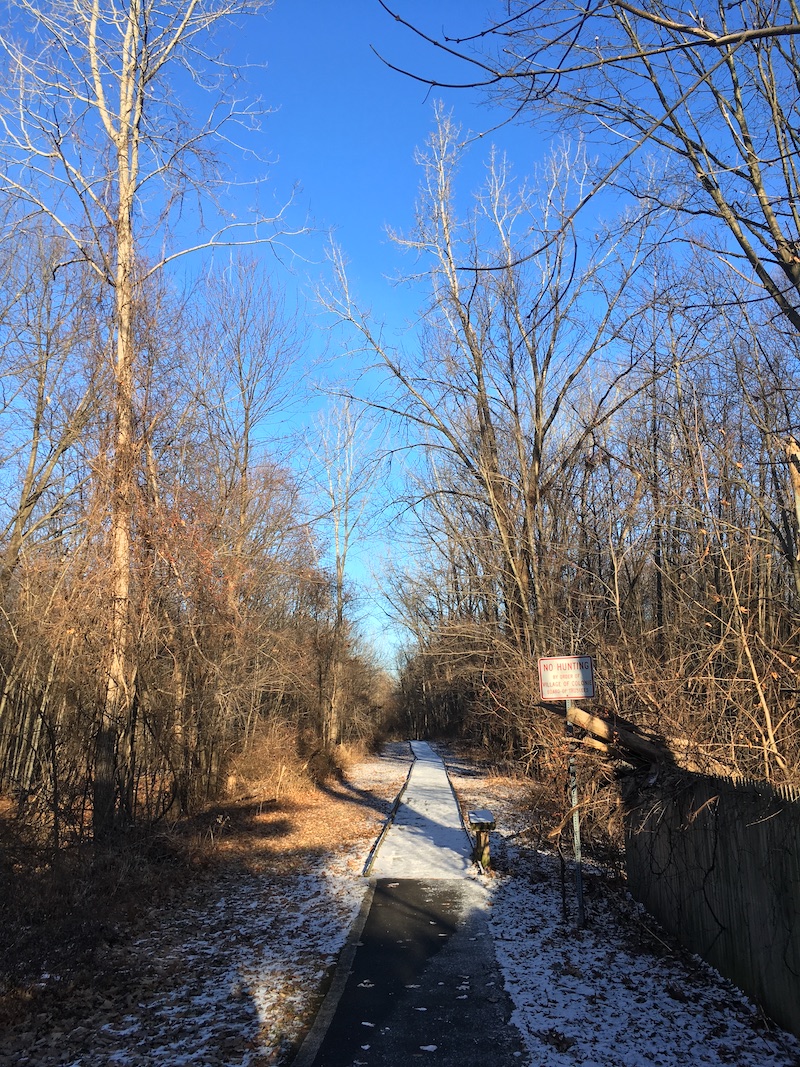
pixel 482 823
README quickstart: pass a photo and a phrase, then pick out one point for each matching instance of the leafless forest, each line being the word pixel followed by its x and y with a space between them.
pixel 597 415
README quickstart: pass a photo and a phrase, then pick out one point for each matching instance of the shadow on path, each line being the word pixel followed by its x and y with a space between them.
pixel 418 978
pixel 426 838
pixel 423 985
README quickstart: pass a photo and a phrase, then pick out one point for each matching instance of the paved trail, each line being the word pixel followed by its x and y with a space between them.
pixel 427 838
pixel 419 980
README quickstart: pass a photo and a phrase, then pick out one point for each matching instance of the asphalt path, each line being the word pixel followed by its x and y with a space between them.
pixel 418 981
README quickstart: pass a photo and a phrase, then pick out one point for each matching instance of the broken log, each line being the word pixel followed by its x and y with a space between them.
pixel 612 734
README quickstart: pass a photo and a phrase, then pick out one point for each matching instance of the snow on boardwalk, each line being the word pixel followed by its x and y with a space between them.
pixel 427 838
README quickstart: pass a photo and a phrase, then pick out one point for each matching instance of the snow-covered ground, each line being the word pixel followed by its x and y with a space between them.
pixel 231 978
pixel 234 980
pixel 217 983
pixel 602 996
pixel 617 993
pixel 609 995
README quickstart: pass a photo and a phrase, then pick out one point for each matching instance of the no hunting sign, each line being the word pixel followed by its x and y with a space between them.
pixel 566 678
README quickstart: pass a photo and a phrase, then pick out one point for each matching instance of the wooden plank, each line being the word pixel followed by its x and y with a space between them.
pixel 481 820
pixel 616 735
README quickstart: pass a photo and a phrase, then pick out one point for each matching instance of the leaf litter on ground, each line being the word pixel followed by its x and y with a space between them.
pixel 234 976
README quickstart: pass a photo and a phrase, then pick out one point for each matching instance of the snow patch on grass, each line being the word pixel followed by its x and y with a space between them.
pixel 609 995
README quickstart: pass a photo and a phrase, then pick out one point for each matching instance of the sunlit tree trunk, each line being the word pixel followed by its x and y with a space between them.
pixel 97 141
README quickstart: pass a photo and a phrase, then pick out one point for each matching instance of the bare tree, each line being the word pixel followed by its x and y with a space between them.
pixel 686 525
pixel 98 140
pixel 492 394
pixel 51 390
pixel 344 469
pixel 715 86
pixel 246 382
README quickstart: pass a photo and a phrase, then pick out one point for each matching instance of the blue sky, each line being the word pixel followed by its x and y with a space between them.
pixel 344 130
pixel 347 126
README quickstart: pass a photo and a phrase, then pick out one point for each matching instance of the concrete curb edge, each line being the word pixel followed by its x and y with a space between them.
pixel 316 1035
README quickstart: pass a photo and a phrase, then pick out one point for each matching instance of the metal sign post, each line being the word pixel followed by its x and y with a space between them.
pixel 576 823
pixel 570 678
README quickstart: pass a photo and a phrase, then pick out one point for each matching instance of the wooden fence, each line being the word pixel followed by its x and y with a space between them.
pixel 717 862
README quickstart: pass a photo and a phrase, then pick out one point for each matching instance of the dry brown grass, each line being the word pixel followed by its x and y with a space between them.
pixel 57 913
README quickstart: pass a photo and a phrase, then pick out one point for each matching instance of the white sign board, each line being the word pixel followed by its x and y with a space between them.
pixel 566 678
